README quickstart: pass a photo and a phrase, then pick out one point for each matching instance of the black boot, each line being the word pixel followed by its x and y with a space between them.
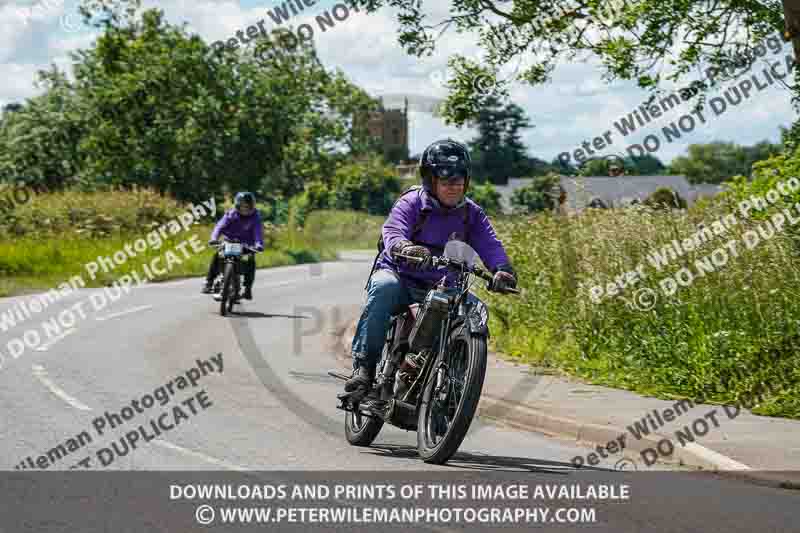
pixel 207 288
pixel 248 293
pixel 362 378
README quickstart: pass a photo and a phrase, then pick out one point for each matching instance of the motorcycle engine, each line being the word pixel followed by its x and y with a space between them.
pixel 409 371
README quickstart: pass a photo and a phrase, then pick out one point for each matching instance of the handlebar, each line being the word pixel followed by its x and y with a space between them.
pixel 220 243
pixel 439 261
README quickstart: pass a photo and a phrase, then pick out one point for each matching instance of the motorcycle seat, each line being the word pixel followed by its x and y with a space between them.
pixel 413 308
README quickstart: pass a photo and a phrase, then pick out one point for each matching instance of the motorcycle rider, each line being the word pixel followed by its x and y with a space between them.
pixel 243 223
pixel 444 212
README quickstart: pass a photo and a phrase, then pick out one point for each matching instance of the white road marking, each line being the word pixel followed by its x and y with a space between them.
pixel 46 346
pixel 200 456
pixel 230 466
pixel 126 312
pixel 41 374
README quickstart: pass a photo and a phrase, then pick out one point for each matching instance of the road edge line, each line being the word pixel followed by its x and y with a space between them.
pixel 692 455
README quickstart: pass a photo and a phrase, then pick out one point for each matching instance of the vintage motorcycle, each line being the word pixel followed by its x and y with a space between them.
pixel 431 371
pixel 228 283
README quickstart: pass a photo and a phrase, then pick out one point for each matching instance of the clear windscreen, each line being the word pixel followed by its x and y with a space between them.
pixel 461 251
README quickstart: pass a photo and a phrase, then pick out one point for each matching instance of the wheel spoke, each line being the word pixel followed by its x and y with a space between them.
pixel 441 413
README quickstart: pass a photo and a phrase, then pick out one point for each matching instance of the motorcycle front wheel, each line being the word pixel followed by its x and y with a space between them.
pixel 227 289
pixel 446 413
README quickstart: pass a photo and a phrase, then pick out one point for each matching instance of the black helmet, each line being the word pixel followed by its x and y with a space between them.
pixel 443 159
pixel 244 198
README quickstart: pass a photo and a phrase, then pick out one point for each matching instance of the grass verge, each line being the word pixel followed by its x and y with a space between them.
pixel 728 333
pixel 53 237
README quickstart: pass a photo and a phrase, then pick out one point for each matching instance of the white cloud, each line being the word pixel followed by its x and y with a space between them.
pixel 18 81
pixel 578 105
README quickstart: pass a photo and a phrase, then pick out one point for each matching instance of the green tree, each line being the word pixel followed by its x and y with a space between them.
pixel 646 165
pixel 539 167
pixel 790 137
pixel 38 139
pixel 367 185
pixel 486 196
pixel 665 198
pixel 536 196
pixel 595 167
pixel 152 105
pixel 13 107
pixel 718 161
pixel 631 40
pixel 498 151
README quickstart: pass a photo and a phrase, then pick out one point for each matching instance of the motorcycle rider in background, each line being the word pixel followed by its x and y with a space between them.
pixel 420 224
pixel 243 223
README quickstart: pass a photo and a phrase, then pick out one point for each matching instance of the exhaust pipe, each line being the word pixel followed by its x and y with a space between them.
pixel 401 414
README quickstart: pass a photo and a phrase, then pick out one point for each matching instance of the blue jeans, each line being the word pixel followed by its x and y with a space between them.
pixel 386 295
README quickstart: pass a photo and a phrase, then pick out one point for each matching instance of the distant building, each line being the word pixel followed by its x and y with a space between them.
pixel 407 170
pixel 705 190
pixel 604 191
pixel 620 191
pixel 390 128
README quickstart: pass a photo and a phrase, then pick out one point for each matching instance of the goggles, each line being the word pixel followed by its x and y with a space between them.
pixel 450 176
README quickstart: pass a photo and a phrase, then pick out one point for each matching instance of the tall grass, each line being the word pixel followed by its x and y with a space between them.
pixel 719 338
pixel 52 237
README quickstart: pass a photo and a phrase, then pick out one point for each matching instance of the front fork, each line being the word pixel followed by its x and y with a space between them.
pixel 385 375
pixel 441 387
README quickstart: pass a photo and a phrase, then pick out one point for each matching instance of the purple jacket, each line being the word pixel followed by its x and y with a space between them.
pixel 245 229
pixel 441 223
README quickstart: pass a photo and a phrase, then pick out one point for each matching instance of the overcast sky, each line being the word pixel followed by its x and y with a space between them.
pixel 578 105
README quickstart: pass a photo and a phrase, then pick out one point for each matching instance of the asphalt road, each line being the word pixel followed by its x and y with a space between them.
pixel 272 408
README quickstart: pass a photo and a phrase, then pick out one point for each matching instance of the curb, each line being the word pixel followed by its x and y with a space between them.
pixel 692 455
pixel 528 418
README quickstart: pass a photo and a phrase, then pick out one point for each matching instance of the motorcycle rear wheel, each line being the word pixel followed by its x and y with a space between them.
pixel 359 429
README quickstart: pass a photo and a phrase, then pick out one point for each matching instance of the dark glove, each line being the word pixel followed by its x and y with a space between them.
pixel 504 278
pixel 258 247
pixel 414 250
pixel 213 243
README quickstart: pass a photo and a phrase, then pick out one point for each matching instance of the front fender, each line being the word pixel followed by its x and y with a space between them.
pixel 477 316
pixel 476 327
